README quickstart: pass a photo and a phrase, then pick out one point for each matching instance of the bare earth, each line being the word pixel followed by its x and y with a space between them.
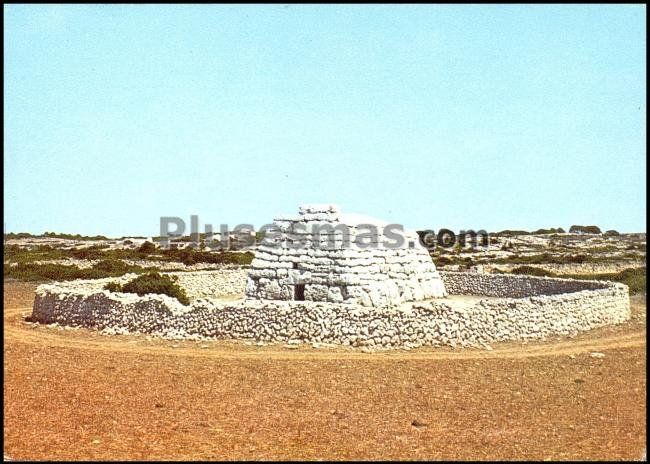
pixel 75 394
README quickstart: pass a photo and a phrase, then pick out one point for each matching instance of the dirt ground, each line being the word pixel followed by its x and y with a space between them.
pixel 75 394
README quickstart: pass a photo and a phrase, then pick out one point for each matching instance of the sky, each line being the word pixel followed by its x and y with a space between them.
pixel 465 117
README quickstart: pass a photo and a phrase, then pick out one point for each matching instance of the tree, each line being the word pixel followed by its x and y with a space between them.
pixel 575 229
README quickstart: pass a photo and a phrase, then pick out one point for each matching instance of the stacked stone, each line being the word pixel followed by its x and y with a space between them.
pixel 512 286
pixel 450 322
pixel 332 255
pixel 212 283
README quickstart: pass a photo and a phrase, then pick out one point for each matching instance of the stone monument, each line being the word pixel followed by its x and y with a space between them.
pixel 325 255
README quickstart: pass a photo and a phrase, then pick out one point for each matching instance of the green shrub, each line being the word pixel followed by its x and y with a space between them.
pixel 552 230
pixel 73 236
pixel 635 278
pixel 532 271
pixel 147 248
pixel 153 282
pixel 512 232
pixel 92 252
pixel 575 229
pixel 48 271
pixel 40 272
pixel 113 267
pixel 113 287
pixel 188 256
pixel 15 253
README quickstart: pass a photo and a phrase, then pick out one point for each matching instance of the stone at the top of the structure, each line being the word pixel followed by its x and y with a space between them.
pixel 331 212
pixel 324 208
pixel 315 216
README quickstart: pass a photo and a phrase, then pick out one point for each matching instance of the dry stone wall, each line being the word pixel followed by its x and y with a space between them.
pixel 513 286
pixel 569 268
pixel 206 284
pixel 336 260
pixel 445 321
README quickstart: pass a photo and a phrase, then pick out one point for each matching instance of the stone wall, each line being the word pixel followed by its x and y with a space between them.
pixel 325 255
pixel 445 321
pixel 219 283
pixel 513 286
pixel 569 268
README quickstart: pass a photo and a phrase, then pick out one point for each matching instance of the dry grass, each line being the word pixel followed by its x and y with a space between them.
pixel 79 395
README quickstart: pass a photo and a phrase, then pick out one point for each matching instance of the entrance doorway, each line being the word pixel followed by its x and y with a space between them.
pixel 299 292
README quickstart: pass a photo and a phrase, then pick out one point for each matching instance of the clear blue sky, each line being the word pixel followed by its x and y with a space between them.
pixel 432 116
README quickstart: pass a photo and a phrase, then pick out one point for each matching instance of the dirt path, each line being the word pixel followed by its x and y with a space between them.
pixel 75 394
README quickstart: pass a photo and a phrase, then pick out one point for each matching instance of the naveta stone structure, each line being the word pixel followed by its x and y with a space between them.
pixel 326 255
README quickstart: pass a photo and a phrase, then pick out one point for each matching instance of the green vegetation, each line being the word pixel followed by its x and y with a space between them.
pixel 189 256
pixel 611 233
pixel 146 251
pixel 584 230
pixel 113 287
pixel 15 253
pixel 532 271
pixel 152 282
pixel 552 230
pixel 464 261
pixel 508 233
pixel 147 248
pixel 45 272
pixel 74 236
pixel 12 235
pixel 110 261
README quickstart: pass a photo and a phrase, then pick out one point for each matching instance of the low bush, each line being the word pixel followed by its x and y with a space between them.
pixel 93 252
pixel 152 282
pixel 43 272
pixel 116 267
pixel 113 287
pixel 189 256
pixel 532 271
pixel 552 230
pixel 511 232
pixel 576 229
pixel 147 248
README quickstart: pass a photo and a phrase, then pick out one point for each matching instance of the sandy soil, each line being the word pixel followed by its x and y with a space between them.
pixel 75 394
